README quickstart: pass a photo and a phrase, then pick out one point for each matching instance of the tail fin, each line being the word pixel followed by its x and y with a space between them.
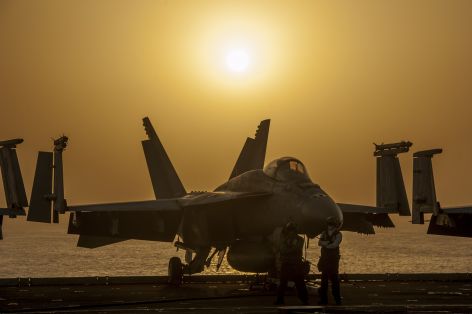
pixel 165 181
pixel 252 155
pixel 15 194
pixel 391 191
pixel 48 165
pixel 424 191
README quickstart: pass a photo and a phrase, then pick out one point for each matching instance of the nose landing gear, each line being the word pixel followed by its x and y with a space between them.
pixel 175 271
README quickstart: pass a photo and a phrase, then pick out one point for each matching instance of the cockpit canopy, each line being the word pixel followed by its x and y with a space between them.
pixel 287 169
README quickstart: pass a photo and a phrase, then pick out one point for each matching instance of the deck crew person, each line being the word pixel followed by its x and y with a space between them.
pixel 289 258
pixel 328 264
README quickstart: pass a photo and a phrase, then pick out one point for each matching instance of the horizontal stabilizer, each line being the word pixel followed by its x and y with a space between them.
pixel 252 155
pixel 164 178
pixel 362 218
pixel 365 209
pixel 357 223
pixel 40 208
pixel 380 220
pixel 91 242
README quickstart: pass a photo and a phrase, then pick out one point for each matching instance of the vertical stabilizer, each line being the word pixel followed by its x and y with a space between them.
pixel 165 181
pixel 424 191
pixel 391 191
pixel 252 155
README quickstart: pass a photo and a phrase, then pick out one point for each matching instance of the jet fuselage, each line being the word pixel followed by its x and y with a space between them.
pixel 293 197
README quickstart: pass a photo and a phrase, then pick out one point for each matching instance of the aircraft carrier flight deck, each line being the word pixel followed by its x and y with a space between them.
pixel 362 293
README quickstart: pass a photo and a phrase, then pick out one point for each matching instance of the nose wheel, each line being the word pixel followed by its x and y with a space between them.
pixel 175 271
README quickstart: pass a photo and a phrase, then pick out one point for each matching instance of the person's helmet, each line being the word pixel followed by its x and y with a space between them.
pixel 332 221
pixel 290 227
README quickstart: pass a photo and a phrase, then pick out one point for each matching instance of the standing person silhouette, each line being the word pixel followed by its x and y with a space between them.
pixel 328 264
pixel 290 256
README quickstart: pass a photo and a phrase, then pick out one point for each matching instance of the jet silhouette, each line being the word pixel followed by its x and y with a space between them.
pixel 242 217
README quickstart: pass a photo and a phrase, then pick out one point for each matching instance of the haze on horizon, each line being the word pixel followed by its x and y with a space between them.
pixel 332 76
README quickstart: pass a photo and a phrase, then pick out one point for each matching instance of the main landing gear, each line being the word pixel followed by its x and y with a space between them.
pixel 196 265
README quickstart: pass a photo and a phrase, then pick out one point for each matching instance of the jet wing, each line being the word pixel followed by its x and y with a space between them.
pixel 457 210
pixel 155 220
pixel 362 218
pixel 164 205
pixel 103 224
pixel 452 221
pixel 169 204
pixel 218 198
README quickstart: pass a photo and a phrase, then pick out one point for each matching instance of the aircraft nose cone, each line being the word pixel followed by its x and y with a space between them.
pixel 316 211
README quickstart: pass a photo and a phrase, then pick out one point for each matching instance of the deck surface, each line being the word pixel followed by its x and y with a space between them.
pixel 234 294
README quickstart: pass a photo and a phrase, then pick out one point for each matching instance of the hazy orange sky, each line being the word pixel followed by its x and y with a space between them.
pixel 334 76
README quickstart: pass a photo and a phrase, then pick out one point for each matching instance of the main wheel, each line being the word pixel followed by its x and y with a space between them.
pixel 175 271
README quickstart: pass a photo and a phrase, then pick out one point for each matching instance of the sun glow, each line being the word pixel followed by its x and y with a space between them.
pixel 238 60
pixel 237 52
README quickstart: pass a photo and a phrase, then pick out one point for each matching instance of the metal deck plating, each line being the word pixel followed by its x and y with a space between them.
pixel 362 293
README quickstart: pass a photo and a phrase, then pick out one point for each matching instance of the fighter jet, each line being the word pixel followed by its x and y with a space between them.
pixel 242 217
pixel 12 181
pixel 452 221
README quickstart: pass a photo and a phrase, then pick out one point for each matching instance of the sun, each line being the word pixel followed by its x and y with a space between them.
pixel 238 60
